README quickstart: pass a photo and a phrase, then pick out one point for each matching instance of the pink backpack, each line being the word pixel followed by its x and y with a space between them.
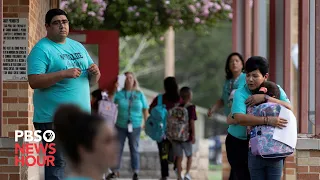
pixel 108 110
pixel 261 137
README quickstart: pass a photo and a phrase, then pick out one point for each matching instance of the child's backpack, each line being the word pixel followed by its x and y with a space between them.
pixel 108 109
pixel 178 124
pixel 155 126
pixel 261 137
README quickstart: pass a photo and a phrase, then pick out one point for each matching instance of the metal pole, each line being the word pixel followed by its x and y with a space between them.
pixel 1 63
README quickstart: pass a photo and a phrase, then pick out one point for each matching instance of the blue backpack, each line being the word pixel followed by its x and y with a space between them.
pixel 156 123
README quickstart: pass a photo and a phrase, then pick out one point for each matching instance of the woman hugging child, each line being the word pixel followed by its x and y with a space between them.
pixel 270 89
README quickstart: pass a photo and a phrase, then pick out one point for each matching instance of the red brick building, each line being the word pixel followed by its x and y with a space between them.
pixel 17 96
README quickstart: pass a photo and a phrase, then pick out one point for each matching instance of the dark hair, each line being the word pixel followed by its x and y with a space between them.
pixel 52 13
pixel 171 89
pixel 185 92
pixel 229 74
pixel 74 128
pixel 272 89
pixel 257 63
pixel 96 94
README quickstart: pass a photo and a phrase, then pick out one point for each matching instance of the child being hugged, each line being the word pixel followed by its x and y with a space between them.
pixel 268 88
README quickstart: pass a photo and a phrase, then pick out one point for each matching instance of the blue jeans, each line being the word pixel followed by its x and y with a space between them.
pixel 263 168
pixel 55 172
pixel 134 138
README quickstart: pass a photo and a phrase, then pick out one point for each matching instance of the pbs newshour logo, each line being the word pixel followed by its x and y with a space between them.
pixel 28 153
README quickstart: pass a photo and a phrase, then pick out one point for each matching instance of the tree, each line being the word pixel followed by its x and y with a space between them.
pixel 200 61
pixel 145 17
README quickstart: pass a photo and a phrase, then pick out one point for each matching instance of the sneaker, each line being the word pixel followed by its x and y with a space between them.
pixel 111 176
pixel 187 177
pixel 135 176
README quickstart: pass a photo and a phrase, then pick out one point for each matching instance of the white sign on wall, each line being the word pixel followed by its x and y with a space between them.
pixel 15 49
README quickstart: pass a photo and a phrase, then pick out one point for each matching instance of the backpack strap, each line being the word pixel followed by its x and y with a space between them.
pixel 159 100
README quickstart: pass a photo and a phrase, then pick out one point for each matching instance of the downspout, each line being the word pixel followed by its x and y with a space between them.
pixel 1 63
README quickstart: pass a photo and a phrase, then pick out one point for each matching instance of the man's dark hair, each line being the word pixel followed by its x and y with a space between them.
pixel 257 63
pixel 185 92
pixel 229 74
pixel 74 128
pixel 52 13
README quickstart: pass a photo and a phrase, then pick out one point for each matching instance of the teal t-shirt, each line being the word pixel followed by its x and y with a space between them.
pixel 47 57
pixel 138 103
pixel 229 87
pixel 239 107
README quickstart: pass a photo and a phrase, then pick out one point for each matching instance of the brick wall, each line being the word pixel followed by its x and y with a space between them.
pixel 8 171
pixel 17 96
pixel 17 107
pixel 308 162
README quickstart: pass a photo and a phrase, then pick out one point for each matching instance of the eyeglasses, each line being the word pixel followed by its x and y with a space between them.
pixel 59 23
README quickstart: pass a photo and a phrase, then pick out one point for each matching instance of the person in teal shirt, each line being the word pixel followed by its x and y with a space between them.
pixel 132 113
pixel 235 78
pixel 60 70
pixel 89 143
pixel 257 69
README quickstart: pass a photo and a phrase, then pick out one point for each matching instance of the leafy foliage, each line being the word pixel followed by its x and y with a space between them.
pixel 146 17
pixel 84 14
pixel 200 61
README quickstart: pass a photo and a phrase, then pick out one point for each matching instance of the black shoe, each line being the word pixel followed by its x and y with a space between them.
pixel 111 176
pixel 135 176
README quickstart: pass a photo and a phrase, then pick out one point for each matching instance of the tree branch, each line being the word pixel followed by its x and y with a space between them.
pixel 143 44
pixel 191 81
pixel 149 70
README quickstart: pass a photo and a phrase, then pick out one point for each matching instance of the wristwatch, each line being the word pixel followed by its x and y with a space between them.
pixel 266 97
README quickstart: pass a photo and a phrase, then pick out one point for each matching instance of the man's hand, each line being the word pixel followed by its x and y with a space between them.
pixel 71 73
pixel 94 70
pixel 255 99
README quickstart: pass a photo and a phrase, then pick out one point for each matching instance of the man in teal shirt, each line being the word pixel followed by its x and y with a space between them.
pixel 60 71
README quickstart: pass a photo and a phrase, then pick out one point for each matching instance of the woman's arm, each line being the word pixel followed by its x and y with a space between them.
pixel 250 120
pixel 283 103
pixel 260 98
pixel 145 115
pixel 230 120
pixel 219 104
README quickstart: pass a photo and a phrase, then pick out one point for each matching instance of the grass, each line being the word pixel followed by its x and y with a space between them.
pixel 215 172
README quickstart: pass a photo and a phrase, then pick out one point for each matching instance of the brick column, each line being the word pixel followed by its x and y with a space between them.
pixel 18 107
pixel 17 96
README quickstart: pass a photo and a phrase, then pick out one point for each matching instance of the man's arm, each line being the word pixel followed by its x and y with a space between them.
pixel 41 81
pixel 93 79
